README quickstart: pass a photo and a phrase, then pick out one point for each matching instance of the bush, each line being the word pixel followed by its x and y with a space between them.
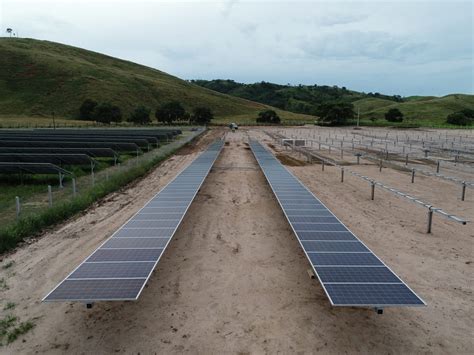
pixel 336 113
pixel 86 111
pixel 141 115
pixel 268 116
pixel 202 115
pixel 107 113
pixel 394 115
pixel 169 112
pixel 461 118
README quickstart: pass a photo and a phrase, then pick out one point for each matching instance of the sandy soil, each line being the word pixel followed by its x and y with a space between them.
pixel 234 279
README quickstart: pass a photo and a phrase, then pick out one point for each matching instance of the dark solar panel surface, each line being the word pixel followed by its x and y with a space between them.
pixel 349 272
pixel 120 268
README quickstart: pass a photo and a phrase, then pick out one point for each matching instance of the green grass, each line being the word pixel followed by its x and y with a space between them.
pixel 20 121
pixel 423 111
pixel 8 265
pixel 246 119
pixel 9 306
pixel 39 77
pixel 10 329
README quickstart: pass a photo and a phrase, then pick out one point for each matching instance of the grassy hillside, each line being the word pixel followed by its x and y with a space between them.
pixel 305 99
pixel 420 110
pixel 417 109
pixel 39 77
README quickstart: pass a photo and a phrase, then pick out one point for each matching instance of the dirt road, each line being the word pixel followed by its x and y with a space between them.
pixel 233 280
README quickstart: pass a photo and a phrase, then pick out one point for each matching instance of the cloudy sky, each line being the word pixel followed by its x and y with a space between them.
pixel 403 47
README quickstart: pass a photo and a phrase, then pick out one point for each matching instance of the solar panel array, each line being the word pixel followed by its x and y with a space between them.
pixel 349 272
pixel 120 268
pixel 31 168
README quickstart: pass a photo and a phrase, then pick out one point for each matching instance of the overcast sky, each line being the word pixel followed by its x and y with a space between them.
pixel 403 47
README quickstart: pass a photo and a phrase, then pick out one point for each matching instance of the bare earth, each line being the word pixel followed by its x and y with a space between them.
pixel 234 279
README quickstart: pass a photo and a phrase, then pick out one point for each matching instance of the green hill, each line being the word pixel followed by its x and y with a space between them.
pixel 39 77
pixel 421 110
pixel 304 99
pixel 417 109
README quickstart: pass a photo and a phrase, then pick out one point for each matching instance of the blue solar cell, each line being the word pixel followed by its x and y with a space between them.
pixel 325 235
pixel 308 213
pixel 136 243
pixel 323 227
pixel 356 259
pixel 338 246
pixel 304 205
pixel 125 255
pixel 372 295
pixel 151 224
pixel 299 201
pixel 112 270
pixel 149 216
pixel 329 274
pixel 163 210
pixel 144 233
pixel 318 219
pixel 92 290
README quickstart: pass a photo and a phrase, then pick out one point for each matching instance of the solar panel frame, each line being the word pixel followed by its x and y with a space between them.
pixel 92 152
pixel 57 159
pixel 32 168
pixel 139 254
pixel 327 286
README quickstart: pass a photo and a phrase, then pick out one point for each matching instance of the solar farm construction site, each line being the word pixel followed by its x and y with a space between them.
pixel 263 240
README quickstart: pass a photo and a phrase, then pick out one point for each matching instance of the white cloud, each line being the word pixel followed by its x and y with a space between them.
pixel 396 47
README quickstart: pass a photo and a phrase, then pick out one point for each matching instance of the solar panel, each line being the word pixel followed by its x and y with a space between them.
pixel 119 147
pixel 31 168
pixel 350 274
pixel 58 159
pixel 120 267
pixel 142 143
pixel 92 152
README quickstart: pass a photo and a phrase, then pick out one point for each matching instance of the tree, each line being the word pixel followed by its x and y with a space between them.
pixel 202 115
pixel 9 31
pixel 462 118
pixel 336 113
pixel 394 115
pixel 107 113
pixel 141 115
pixel 86 111
pixel 268 116
pixel 169 112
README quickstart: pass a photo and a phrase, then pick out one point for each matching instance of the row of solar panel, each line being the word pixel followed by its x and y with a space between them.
pixel 118 270
pixel 349 272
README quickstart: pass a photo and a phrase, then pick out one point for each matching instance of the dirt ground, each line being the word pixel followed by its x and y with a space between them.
pixel 234 279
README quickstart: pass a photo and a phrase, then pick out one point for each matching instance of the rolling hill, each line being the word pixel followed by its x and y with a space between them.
pixel 41 77
pixel 422 110
pixel 417 109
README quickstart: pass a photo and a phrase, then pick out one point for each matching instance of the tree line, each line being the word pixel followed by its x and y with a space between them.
pixel 167 113
pixel 306 99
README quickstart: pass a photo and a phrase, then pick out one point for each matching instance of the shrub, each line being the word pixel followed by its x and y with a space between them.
pixel 461 118
pixel 394 115
pixel 86 111
pixel 336 113
pixel 169 112
pixel 268 116
pixel 141 115
pixel 107 113
pixel 202 115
